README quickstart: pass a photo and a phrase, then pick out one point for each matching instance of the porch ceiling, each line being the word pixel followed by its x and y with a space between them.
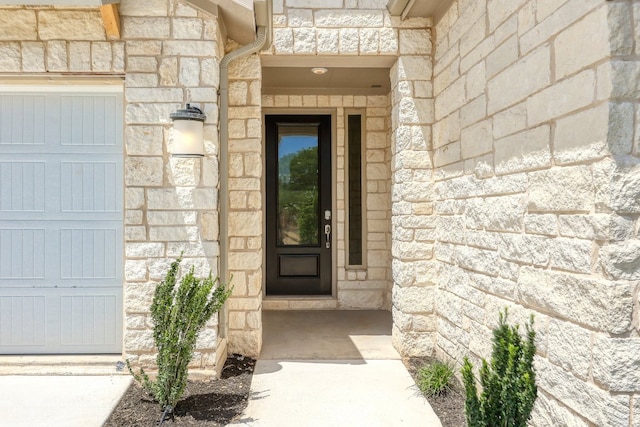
pixel 290 75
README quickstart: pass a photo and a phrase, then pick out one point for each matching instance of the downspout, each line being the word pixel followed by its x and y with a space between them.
pixel 263 41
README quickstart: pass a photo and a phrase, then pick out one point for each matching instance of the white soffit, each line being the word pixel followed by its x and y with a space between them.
pixel 239 16
pixel 88 3
pixel 418 8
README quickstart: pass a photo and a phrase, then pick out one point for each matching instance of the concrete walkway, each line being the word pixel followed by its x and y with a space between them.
pixel 335 368
pixel 59 401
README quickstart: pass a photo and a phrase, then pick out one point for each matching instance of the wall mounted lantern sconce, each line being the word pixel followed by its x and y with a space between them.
pixel 188 129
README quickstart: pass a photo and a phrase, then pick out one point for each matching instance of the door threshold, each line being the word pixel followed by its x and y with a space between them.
pixel 302 302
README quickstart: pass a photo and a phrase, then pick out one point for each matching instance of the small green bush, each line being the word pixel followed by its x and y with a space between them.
pixel 508 384
pixel 179 313
pixel 434 379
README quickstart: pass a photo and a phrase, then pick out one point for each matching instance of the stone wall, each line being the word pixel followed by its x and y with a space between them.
pixel 168 55
pixel 536 194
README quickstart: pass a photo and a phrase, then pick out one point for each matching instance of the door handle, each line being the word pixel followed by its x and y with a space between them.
pixel 327 235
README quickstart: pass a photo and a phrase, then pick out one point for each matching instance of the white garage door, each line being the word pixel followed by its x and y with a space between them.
pixel 61 219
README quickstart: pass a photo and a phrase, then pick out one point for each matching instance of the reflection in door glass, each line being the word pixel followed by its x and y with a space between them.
pixel 298 185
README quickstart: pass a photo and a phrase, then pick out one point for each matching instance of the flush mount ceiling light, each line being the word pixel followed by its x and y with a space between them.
pixel 319 70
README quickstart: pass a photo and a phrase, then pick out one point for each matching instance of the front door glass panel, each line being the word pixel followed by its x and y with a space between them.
pixel 298 186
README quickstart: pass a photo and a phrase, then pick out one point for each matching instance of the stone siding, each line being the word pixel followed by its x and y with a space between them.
pixel 537 182
pixel 168 55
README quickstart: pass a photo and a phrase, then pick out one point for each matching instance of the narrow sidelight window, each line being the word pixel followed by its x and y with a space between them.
pixel 354 179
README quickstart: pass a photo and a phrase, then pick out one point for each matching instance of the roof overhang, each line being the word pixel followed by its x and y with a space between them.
pixel 418 8
pixel 239 17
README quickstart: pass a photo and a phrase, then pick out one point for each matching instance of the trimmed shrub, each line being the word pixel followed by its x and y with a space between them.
pixel 179 313
pixel 508 384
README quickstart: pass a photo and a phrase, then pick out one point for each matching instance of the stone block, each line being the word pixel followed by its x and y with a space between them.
pixel 571 254
pixel 171 217
pixel 548 412
pixel 149 8
pixel 151 28
pixel 561 98
pixel 144 140
pixel 283 40
pixel 593 403
pixel 616 363
pixel 499 10
pixel 187 28
pixel 600 304
pixel 561 189
pixel 70 25
pixel 145 113
pixel 624 189
pixel 143 171
pixel 596 227
pixel 477 139
pixel 57 56
pixel 33 57
pixel 184 171
pixel 413 343
pixel 144 250
pixel 304 40
pixel 101 56
pixel 517 82
pixel 181 198
pixel 523 151
pixel 503 56
pixel 189 74
pixel 525 249
pixel 361 299
pixel 174 234
pixel 141 64
pixel 509 121
pixel 135 270
pixel 569 346
pixel 80 56
pixel 349 18
pixel 592 31
pixel 621 261
pixel 581 136
pixel 349 40
pixel 245 224
pixel 18 25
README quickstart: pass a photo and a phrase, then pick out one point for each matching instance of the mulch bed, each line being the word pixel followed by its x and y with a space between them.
pixel 216 403
pixel 448 407
pixel 213 403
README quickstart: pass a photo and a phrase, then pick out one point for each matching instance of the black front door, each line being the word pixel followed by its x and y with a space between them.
pixel 298 194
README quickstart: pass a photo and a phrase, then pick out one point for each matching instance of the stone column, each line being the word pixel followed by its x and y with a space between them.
pixel 413 266
pixel 245 206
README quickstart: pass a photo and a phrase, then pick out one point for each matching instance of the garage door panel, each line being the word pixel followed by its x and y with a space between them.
pixel 90 187
pixel 23 320
pixel 61 220
pixel 23 119
pixel 22 186
pixel 22 254
pixel 88 120
pixel 88 320
pixel 88 253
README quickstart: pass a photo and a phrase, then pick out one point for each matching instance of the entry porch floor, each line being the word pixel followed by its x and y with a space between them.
pixel 332 368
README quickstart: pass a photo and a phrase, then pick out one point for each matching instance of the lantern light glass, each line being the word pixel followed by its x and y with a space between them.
pixel 188 129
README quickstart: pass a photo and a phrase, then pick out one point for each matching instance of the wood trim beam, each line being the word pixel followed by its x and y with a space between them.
pixel 111 20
